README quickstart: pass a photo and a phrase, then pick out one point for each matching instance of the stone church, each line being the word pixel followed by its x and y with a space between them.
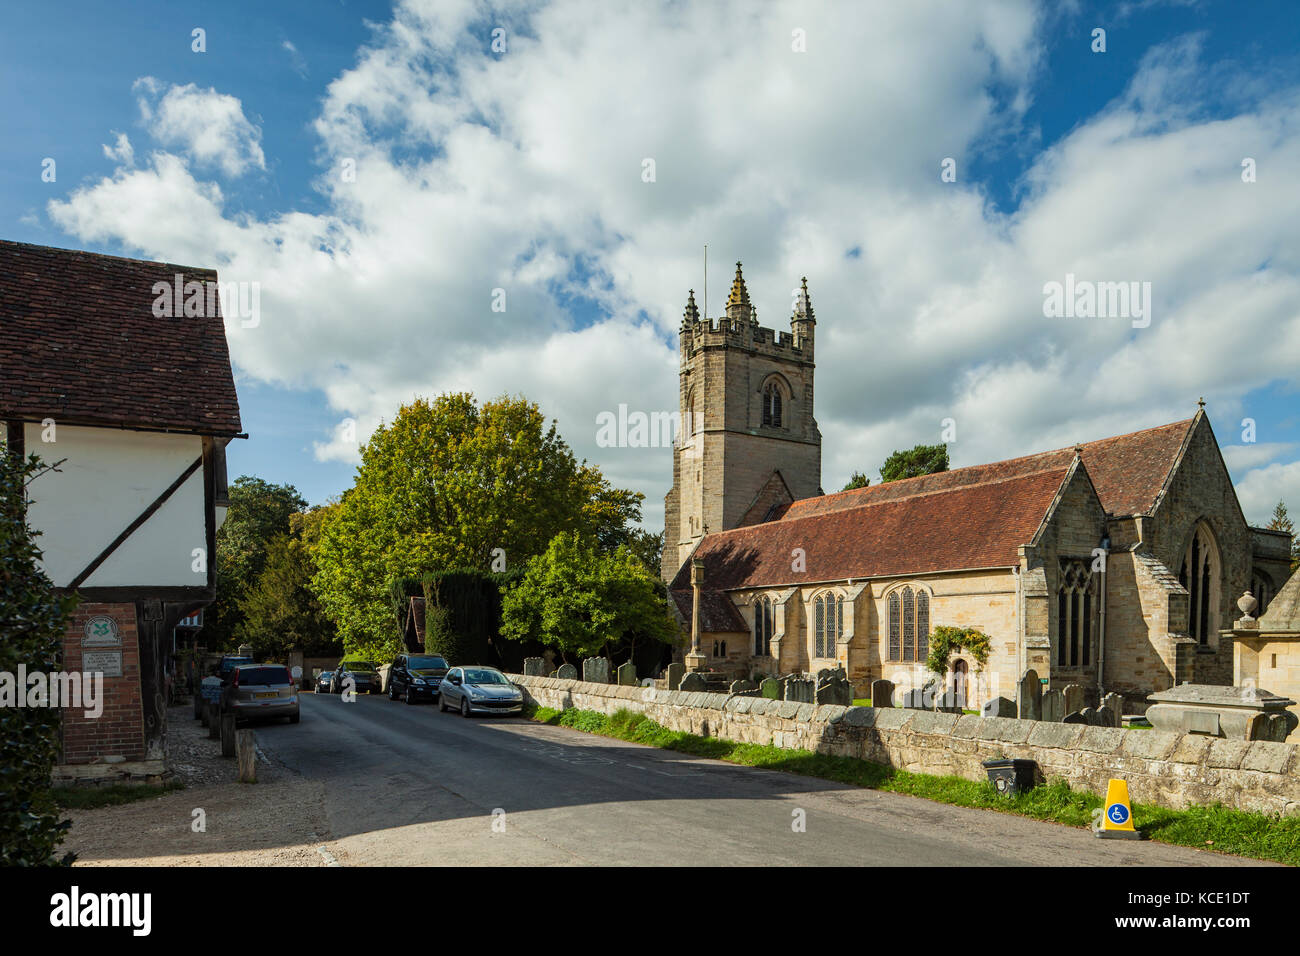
pixel 1115 564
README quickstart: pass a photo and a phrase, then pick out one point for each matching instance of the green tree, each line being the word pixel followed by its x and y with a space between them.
pixel 582 600
pixel 32 621
pixel 858 480
pixel 920 460
pixel 648 547
pixel 449 483
pixel 259 511
pixel 1281 521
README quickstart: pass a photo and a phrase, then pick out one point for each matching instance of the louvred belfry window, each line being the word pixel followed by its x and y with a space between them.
pixel 772 406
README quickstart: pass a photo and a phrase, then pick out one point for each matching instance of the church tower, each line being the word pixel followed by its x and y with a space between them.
pixel 748 443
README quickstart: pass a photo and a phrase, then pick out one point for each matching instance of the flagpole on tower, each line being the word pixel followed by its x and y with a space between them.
pixel 706 282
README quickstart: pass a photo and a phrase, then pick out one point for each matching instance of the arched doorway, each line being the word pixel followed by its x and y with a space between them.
pixel 960 682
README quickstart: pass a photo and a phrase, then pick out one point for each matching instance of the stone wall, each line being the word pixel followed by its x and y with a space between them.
pixel 1172 770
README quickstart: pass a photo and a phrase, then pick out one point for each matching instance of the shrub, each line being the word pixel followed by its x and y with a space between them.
pixel 32 620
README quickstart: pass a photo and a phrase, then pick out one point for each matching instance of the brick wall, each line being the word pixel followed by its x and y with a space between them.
pixel 119 730
pixel 1171 770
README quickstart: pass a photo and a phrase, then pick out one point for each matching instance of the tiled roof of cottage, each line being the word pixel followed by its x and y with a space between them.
pixel 967 526
pixel 1128 472
pixel 79 343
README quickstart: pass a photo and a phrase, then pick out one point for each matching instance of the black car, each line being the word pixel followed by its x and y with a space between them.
pixel 365 680
pixel 416 677
pixel 323 682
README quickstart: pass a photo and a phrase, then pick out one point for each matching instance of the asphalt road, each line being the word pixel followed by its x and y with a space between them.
pixel 410 785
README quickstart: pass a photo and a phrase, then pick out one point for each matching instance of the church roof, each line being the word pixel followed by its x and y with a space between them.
pixel 970 525
pixel 717 614
pixel 1128 471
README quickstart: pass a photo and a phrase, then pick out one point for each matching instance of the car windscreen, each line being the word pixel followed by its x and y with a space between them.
pixel 474 675
pixel 358 666
pixel 426 663
pixel 264 675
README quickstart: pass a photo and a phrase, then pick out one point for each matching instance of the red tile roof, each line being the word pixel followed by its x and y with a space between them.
pixel 79 343
pixel 717 614
pixel 1128 472
pixel 968 526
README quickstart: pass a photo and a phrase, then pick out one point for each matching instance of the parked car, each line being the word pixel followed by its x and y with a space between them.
pixel 323 682
pixel 259 692
pixel 415 676
pixel 364 676
pixel 479 690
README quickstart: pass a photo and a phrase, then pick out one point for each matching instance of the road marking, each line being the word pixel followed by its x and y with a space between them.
pixel 329 859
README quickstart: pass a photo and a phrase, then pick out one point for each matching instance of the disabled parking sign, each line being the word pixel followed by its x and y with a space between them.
pixel 1117 819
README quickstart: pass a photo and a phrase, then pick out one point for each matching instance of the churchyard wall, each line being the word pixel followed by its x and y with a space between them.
pixel 1171 770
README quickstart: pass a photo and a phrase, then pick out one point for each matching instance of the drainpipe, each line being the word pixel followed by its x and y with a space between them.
pixel 1101 623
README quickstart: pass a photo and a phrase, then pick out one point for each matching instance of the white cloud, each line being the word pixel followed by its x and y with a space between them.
pixel 1260 490
pixel 522 171
pixel 121 151
pixel 207 126
pixel 1241 458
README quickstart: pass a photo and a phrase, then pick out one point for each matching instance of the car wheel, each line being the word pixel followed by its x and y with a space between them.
pixel 464 707
pixel 410 695
pixel 442 704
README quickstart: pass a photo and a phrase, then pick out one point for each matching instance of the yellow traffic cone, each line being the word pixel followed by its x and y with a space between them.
pixel 1117 815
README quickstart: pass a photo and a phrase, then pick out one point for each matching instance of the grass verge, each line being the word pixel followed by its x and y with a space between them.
pixel 89 798
pixel 1223 829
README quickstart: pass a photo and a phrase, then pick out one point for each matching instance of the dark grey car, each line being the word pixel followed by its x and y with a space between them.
pixel 479 690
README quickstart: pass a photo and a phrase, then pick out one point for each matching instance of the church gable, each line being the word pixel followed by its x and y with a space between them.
pixel 770 503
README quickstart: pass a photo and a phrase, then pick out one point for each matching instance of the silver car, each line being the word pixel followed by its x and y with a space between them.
pixel 260 691
pixel 479 690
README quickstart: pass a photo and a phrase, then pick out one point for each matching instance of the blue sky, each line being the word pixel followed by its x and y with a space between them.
pixel 520 169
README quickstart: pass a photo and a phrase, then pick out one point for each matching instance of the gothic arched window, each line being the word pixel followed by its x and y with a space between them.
pixel 772 405
pixel 1074 607
pixel 828 624
pixel 1200 576
pixel 909 625
pixel 764 620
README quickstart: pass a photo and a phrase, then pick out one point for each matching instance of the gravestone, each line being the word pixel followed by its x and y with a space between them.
pixel 1075 718
pixel 626 673
pixel 693 682
pixel 999 707
pixel 950 702
pixel 1092 717
pixel 596 670
pixel 1073 698
pixel 1106 717
pixel 834 688
pixel 674 674
pixel 534 667
pixel 770 688
pixel 743 688
pixel 882 693
pixel 920 698
pixel 1053 706
pixel 567 672
pixel 1115 702
pixel 1029 696
pixel 801 689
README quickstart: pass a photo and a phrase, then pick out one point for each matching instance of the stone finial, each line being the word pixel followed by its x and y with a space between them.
pixel 692 313
pixel 1200 403
pixel 738 305
pixel 1247 604
pixel 803 309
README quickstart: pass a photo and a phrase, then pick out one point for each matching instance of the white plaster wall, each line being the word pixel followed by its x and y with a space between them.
pixel 110 477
